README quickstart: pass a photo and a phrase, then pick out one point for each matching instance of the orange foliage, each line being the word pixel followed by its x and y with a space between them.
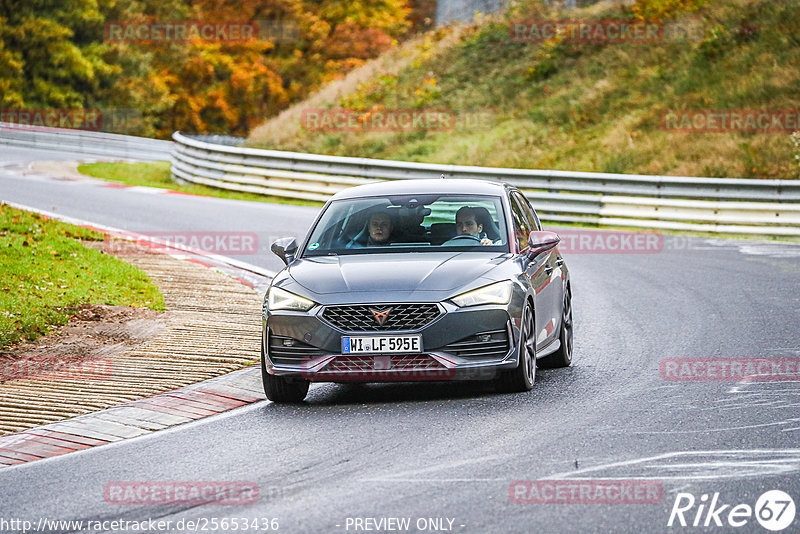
pixel 348 40
pixel 231 87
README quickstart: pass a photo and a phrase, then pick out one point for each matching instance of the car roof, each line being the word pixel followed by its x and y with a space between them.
pixel 423 186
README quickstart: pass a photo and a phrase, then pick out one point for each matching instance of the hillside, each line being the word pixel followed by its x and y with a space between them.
pixel 577 105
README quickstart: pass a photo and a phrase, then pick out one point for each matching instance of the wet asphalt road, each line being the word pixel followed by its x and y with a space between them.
pixel 452 451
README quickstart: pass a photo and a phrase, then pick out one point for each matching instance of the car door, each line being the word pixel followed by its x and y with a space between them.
pixel 546 277
pixel 533 269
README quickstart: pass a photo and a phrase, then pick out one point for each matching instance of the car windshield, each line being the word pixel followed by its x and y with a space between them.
pixel 410 223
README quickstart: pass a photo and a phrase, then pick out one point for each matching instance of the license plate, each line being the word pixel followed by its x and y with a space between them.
pixel 381 344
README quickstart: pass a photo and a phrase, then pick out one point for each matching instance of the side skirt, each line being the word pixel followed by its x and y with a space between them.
pixel 549 349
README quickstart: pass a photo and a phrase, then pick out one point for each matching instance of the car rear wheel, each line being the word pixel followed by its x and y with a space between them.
pixel 521 378
pixel 282 389
pixel 563 356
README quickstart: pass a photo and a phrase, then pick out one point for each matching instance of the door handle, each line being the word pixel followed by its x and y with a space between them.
pixel 560 262
pixel 548 269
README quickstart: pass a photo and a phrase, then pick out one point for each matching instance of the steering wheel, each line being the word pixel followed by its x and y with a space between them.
pixel 464 237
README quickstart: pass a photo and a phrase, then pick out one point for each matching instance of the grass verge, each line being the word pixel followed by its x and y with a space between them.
pixel 157 175
pixel 46 273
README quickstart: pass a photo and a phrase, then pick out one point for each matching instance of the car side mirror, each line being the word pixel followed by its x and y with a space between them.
pixel 285 248
pixel 540 241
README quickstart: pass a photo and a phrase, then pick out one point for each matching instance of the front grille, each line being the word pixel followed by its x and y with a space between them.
pixel 359 318
pixel 402 362
pixel 478 346
pixel 289 351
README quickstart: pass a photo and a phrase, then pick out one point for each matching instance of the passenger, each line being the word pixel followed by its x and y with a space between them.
pixel 377 232
pixel 380 229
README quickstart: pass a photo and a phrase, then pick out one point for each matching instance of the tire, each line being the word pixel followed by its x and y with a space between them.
pixel 521 378
pixel 280 389
pixel 563 356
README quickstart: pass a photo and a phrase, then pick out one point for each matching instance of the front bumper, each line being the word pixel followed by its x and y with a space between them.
pixel 460 344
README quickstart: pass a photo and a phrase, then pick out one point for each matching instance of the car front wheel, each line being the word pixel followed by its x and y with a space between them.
pixel 282 389
pixel 521 378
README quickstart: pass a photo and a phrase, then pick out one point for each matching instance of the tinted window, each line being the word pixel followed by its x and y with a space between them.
pixel 522 228
pixel 528 211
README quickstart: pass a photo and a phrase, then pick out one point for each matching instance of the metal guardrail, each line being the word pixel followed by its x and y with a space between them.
pixel 720 205
pixel 85 142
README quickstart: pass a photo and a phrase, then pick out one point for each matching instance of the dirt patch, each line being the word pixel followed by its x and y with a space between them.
pixel 85 344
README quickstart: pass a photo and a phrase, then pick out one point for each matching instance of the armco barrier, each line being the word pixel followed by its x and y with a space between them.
pixel 84 142
pixel 721 205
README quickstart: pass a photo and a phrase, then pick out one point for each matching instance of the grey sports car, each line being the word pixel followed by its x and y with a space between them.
pixel 418 280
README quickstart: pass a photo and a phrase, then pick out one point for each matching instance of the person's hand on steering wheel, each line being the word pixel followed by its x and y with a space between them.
pixel 465 237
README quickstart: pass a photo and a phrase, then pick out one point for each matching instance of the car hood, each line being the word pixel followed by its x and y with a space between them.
pixel 392 272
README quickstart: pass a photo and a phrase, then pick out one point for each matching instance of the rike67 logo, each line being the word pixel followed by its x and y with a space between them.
pixel 774 510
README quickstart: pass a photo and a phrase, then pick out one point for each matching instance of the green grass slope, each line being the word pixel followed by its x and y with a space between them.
pixel 46 274
pixel 578 106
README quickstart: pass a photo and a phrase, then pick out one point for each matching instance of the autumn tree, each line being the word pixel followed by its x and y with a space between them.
pixel 46 59
pixel 53 53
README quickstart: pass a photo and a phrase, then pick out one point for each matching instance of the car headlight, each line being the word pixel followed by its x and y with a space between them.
pixel 280 299
pixel 497 293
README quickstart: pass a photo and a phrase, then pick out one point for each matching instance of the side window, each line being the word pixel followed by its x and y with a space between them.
pixel 521 227
pixel 530 214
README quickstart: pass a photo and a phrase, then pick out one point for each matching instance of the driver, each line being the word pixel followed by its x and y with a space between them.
pixel 467 224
